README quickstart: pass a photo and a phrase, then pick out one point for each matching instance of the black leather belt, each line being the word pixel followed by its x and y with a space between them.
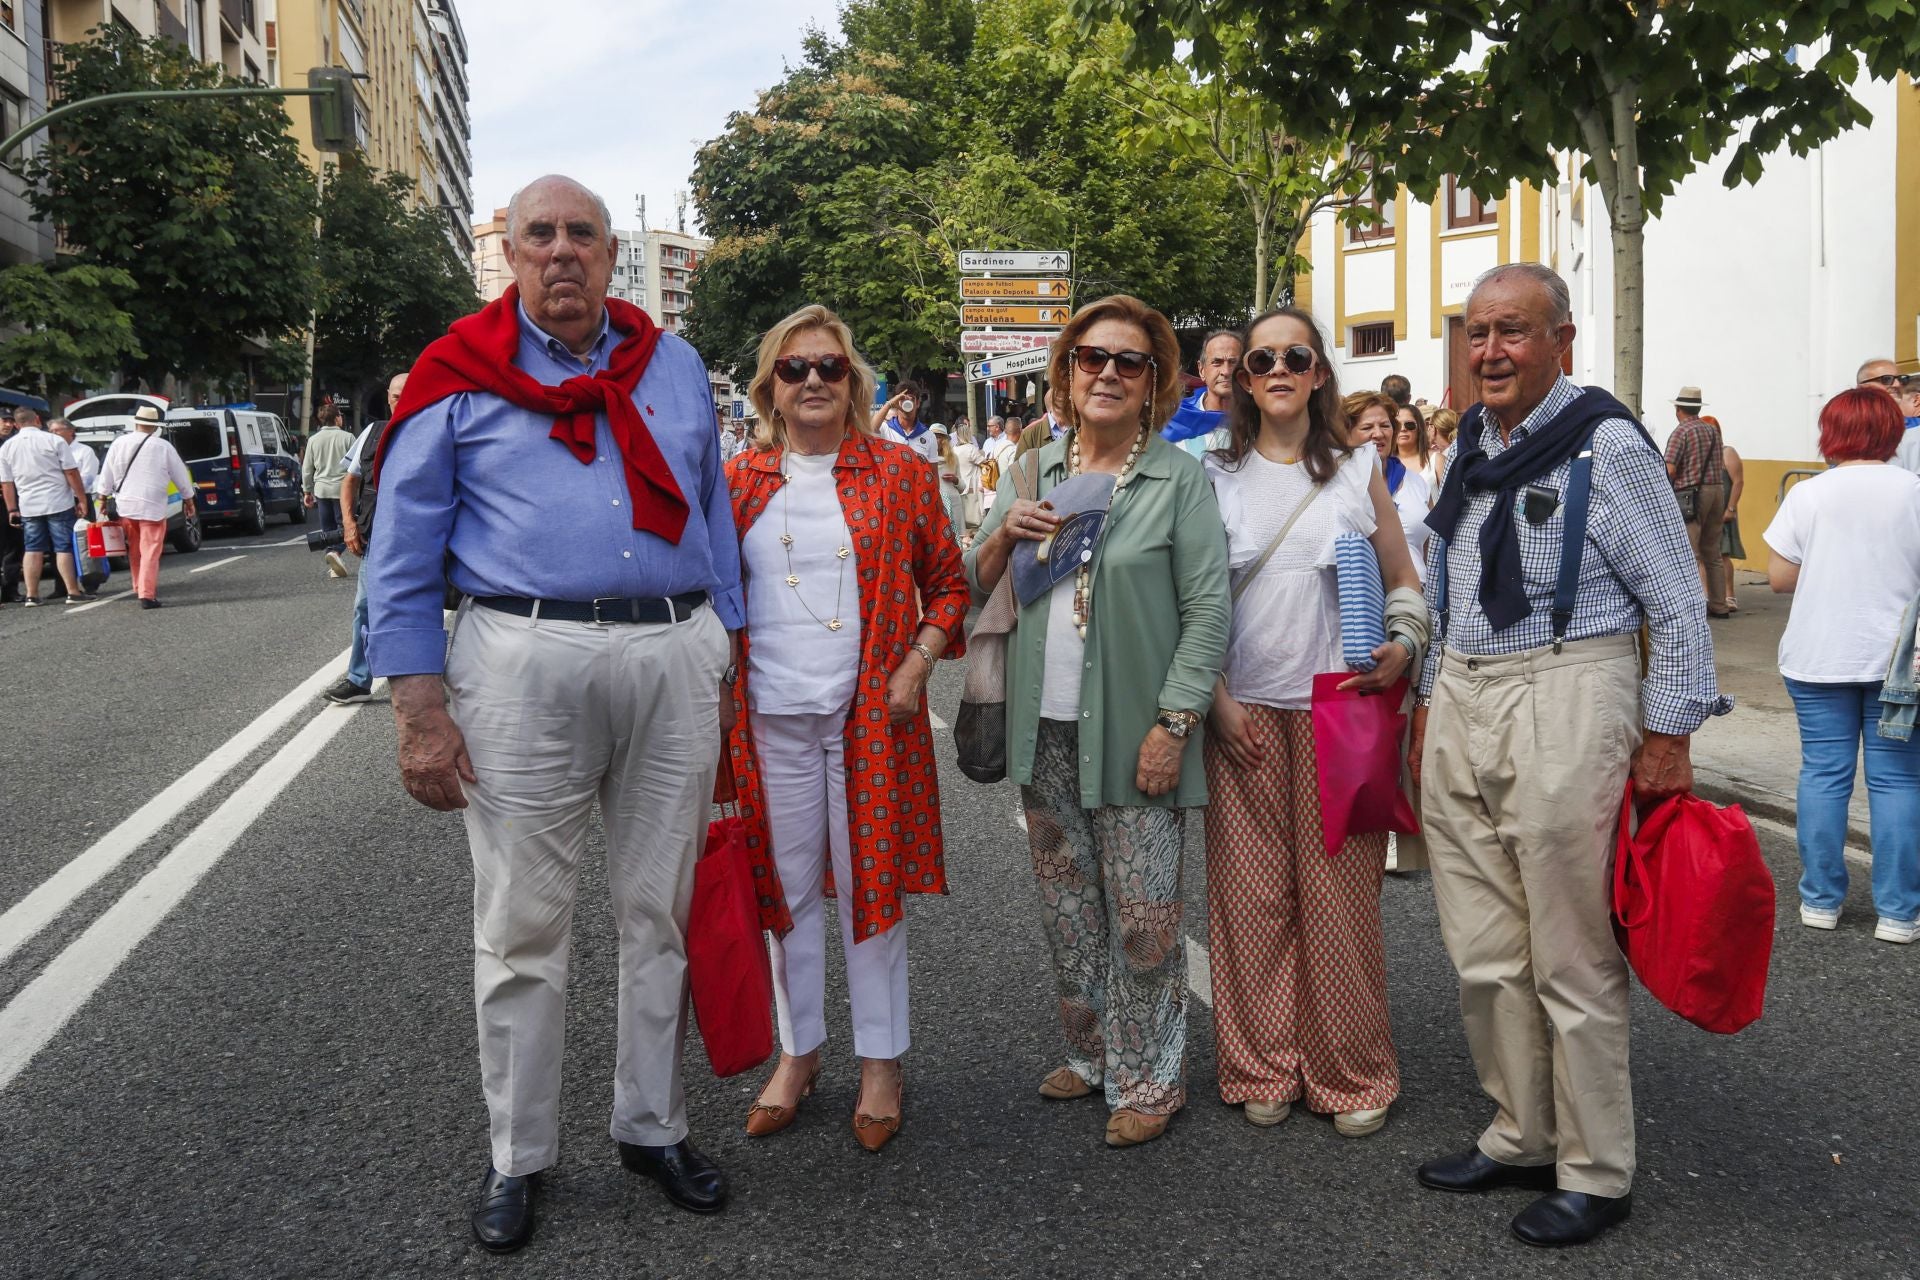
pixel 606 611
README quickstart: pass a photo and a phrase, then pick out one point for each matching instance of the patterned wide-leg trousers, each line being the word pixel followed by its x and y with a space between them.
pixel 1299 968
pixel 1110 884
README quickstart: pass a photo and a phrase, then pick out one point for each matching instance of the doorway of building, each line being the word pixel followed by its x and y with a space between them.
pixel 1460 389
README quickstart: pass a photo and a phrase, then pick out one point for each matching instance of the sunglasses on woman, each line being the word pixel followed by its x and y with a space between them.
pixel 1260 361
pixel 1129 364
pixel 793 370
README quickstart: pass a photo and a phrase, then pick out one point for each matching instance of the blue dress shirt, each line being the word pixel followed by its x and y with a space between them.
pixel 474 491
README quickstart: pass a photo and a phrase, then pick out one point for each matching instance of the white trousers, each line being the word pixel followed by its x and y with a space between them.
pixel 803 770
pixel 557 715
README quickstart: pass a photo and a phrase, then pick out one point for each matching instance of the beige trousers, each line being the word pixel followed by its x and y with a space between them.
pixel 557 715
pixel 1526 761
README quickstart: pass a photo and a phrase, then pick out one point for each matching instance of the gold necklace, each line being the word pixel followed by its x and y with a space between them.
pixel 1083 579
pixel 793 579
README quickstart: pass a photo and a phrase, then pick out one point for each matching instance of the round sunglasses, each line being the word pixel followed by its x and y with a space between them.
pixel 1129 364
pixel 1261 361
pixel 793 370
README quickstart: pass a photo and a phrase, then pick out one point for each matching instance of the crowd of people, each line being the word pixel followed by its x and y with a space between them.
pixel 758 618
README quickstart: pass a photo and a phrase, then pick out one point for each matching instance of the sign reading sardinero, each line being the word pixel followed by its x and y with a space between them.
pixel 1036 260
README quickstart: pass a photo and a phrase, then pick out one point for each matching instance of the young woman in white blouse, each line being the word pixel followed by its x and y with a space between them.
pixel 1299 971
pixel 1372 420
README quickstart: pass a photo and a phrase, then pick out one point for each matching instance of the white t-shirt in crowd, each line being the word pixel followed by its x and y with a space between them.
pixel 1066 654
pixel 926 444
pixel 142 488
pixel 87 462
pixel 1908 455
pixel 1855 533
pixel 795 665
pixel 36 461
pixel 1413 501
pixel 1286 624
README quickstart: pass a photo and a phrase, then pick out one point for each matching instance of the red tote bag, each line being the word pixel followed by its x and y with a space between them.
pixel 1693 910
pixel 1356 744
pixel 727 967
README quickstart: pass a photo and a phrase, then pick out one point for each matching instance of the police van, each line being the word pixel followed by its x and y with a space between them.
pixel 241 461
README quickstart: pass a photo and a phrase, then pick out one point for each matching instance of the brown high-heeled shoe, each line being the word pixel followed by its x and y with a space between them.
pixel 875 1132
pixel 765 1118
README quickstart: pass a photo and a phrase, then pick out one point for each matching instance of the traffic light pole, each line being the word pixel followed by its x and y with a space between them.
pixel 150 95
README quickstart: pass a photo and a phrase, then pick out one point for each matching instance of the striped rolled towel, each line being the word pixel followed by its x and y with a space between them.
pixel 1363 600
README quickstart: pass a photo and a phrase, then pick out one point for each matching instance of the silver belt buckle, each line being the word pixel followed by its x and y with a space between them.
pixel 599 621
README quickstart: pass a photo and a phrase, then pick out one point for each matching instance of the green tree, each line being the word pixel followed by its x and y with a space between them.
pixel 204 203
pixel 1492 90
pixel 391 281
pixel 72 326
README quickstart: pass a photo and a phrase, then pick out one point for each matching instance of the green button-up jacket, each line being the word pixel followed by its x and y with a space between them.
pixel 1158 636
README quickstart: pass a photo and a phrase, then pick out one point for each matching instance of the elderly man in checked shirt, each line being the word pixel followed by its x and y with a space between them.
pixel 1525 736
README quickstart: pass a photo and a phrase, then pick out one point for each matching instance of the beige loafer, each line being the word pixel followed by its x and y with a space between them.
pixel 1266 1114
pixel 1131 1128
pixel 1358 1124
pixel 1063 1085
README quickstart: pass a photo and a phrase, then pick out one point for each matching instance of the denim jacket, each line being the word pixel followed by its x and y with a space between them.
pixel 1900 695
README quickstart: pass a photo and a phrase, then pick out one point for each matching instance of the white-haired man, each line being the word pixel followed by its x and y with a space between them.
pixel 1557 537
pixel 44 497
pixel 554 458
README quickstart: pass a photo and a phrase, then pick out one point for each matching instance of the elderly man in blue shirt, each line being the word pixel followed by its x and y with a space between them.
pixel 554 459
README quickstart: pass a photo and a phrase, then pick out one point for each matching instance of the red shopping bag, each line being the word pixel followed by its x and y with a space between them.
pixel 727 967
pixel 1357 740
pixel 1693 910
pixel 108 539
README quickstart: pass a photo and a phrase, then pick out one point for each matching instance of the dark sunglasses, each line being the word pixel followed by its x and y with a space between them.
pixel 1893 381
pixel 1130 364
pixel 793 370
pixel 1260 361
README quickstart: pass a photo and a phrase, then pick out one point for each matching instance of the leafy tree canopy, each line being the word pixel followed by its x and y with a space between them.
pixel 74 329
pixel 203 203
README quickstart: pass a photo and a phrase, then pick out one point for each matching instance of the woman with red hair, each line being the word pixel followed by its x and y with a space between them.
pixel 1846 545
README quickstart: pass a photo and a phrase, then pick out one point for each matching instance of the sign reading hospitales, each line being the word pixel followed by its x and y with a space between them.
pixel 1021 288
pixel 1031 261
pixel 975 343
pixel 1007 366
pixel 1017 316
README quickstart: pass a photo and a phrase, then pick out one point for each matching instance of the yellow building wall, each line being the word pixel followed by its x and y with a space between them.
pixel 309 37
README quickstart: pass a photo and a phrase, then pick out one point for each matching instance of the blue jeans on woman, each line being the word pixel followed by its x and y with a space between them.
pixel 1834 721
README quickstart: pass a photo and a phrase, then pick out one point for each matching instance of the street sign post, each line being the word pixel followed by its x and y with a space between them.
pixel 1016 288
pixel 1017 317
pixel 1030 261
pixel 1007 366
pixel 973 342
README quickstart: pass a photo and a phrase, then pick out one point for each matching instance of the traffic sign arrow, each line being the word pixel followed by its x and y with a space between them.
pixel 1007 366
pixel 1016 260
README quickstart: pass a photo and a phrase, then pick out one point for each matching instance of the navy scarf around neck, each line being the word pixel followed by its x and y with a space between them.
pixel 1503 586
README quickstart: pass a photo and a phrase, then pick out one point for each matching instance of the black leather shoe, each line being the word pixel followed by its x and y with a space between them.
pixel 1475 1170
pixel 504 1220
pixel 1562 1218
pixel 690 1180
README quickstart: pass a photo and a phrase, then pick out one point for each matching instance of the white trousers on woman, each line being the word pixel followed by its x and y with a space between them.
pixel 803 770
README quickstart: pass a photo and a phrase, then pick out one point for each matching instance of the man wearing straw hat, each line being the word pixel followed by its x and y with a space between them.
pixel 1696 463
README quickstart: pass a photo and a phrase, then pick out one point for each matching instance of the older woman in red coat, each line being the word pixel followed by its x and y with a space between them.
pixel 854 589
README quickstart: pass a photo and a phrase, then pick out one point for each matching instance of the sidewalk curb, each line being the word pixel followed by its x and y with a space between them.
pixel 1761 803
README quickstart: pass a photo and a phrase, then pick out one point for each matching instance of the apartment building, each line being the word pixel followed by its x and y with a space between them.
pixel 653 271
pixel 413 103
pixel 23 97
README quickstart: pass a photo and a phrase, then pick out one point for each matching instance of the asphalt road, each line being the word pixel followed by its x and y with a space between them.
pixel 258 1053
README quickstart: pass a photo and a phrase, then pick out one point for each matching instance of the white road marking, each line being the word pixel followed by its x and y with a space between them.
pixel 82 608
pixel 48 1002
pixel 1200 971
pixel 40 908
pixel 290 542
pixel 217 563
pixel 934 716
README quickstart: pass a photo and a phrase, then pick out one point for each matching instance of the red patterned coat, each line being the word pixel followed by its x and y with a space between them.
pixel 904 551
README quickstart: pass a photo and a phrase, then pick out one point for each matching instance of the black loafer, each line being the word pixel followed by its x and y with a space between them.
pixel 1475 1170
pixel 504 1220
pixel 690 1180
pixel 1561 1218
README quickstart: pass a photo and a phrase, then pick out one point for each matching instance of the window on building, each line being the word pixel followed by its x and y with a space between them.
pixel 13 115
pixel 1377 225
pixel 1371 339
pixel 1465 209
pixel 6 15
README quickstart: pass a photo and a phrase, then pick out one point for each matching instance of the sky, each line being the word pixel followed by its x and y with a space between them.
pixel 618 93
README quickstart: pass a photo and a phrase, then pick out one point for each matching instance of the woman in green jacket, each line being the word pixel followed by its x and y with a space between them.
pixel 1109 678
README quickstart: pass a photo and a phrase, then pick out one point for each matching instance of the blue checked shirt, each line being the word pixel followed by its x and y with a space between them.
pixel 1637 565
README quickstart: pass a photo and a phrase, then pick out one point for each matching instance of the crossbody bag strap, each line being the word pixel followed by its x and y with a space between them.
pixel 1028 469
pixel 131 459
pixel 1253 570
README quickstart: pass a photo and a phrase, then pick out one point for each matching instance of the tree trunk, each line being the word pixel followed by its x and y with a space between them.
pixel 1260 261
pixel 1629 298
